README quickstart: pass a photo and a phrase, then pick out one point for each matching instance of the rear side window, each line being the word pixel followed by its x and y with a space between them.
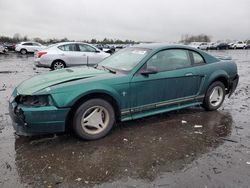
pixel 198 58
pixel 68 47
pixel 35 44
pixel 170 60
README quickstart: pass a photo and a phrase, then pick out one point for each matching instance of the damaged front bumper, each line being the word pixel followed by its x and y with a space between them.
pixel 233 82
pixel 29 121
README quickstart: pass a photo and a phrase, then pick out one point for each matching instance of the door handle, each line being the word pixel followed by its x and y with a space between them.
pixel 189 74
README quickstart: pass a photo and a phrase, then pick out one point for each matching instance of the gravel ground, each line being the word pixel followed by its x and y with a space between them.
pixel 166 150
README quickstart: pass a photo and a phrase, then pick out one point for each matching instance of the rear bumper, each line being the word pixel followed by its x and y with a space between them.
pixel 233 82
pixel 29 121
pixel 38 63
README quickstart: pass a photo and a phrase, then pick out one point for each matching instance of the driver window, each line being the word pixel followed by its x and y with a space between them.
pixel 169 60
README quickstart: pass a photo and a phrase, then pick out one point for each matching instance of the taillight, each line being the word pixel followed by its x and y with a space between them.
pixel 40 54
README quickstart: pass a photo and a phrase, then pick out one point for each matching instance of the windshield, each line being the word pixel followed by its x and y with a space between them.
pixel 125 60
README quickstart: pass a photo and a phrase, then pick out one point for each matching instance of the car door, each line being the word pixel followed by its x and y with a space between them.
pixel 174 83
pixel 28 46
pixel 92 55
pixel 70 54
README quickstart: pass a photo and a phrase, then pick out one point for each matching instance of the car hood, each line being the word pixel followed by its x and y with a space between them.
pixel 37 83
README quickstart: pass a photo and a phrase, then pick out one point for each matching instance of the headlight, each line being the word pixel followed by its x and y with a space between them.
pixel 33 100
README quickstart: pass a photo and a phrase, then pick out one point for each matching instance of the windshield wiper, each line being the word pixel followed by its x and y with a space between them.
pixel 109 69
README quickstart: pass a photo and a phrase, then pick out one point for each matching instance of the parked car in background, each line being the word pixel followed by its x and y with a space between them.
pixel 211 45
pixel 133 83
pixel 106 48
pixel 10 46
pixel 248 46
pixel 69 54
pixel 199 45
pixel 26 47
pixel 219 46
pixel 3 49
pixel 239 45
pixel 231 45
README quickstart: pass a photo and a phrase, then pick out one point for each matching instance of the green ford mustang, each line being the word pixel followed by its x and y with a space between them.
pixel 133 83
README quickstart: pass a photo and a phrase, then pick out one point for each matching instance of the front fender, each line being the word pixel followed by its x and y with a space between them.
pixel 68 99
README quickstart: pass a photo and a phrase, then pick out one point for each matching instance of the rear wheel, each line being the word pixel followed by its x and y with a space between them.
pixel 23 51
pixel 58 65
pixel 93 119
pixel 215 96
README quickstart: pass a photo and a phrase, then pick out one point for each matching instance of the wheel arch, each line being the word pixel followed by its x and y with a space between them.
pixel 58 60
pixel 23 49
pixel 98 94
pixel 223 78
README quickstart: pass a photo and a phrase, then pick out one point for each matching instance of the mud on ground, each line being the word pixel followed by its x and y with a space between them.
pixel 167 150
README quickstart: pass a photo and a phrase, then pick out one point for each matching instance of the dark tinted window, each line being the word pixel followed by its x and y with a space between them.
pixel 170 60
pixel 197 58
pixel 68 47
pixel 86 48
pixel 27 44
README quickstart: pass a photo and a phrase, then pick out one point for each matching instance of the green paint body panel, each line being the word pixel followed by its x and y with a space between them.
pixel 136 95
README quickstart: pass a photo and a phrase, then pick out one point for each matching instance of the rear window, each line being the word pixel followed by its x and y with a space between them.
pixel 68 47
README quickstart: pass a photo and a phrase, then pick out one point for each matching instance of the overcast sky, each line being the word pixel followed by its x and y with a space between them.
pixel 140 20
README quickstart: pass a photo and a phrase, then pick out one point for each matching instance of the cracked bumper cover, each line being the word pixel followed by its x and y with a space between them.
pixel 29 121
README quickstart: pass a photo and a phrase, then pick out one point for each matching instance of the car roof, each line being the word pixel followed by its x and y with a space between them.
pixel 156 46
pixel 63 43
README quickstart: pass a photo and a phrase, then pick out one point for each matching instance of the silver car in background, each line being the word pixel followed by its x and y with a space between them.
pixel 68 54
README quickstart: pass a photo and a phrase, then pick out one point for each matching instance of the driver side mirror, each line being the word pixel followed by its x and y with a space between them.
pixel 97 51
pixel 149 70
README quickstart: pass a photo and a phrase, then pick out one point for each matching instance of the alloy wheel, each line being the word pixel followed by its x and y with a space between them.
pixel 58 65
pixel 216 96
pixel 95 120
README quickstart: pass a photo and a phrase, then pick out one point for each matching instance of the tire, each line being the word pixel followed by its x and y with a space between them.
pixel 211 102
pixel 85 120
pixel 23 51
pixel 58 65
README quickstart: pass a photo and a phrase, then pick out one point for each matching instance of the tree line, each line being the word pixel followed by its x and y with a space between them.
pixel 195 38
pixel 18 38
pixel 185 39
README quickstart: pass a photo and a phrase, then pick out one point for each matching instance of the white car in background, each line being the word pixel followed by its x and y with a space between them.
pixel 239 45
pixel 26 47
pixel 68 54
pixel 199 45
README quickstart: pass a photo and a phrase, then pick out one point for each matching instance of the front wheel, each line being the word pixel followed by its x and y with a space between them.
pixel 215 96
pixel 93 119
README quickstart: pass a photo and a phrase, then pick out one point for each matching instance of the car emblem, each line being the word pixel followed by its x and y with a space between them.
pixel 124 93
